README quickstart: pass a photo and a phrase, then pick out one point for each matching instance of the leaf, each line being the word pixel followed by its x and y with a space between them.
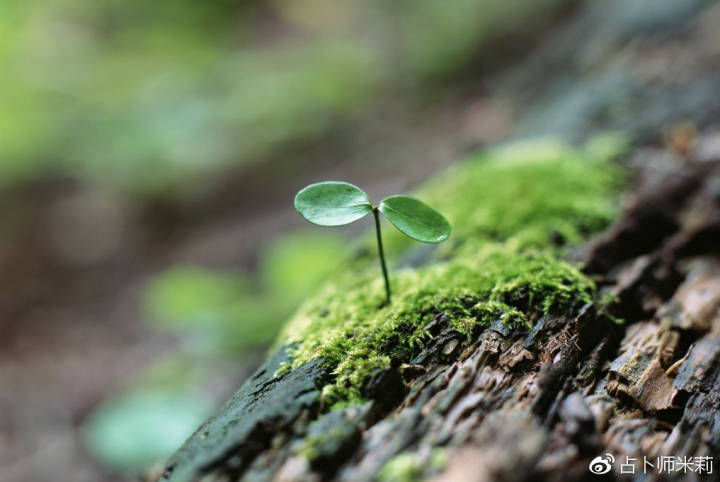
pixel 332 203
pixel 415 219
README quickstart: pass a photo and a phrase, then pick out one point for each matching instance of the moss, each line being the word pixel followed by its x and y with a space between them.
pixel 314 443
pixel 330 435
pixel 438 459
pixel 410 467
pixel 405 467
pixel 514 211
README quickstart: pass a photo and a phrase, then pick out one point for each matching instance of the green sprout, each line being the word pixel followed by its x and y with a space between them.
pixel 334 203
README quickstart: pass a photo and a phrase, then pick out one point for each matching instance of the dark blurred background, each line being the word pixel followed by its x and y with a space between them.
pixel 150 152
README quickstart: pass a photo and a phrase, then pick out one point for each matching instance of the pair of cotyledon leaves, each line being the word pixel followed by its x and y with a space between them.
pixel 337 203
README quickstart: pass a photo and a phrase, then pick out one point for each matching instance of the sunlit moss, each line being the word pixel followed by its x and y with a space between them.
pixel 513 211
pixel 527 193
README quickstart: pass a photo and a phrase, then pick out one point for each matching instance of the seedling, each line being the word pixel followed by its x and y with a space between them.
pixel 334 203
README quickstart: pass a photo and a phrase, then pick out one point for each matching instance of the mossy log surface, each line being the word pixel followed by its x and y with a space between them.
pixel 517 404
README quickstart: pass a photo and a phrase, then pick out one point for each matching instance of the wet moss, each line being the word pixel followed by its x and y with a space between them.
pixel 515 210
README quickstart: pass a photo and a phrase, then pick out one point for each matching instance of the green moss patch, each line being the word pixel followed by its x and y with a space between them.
pixel 410 467
pixel 514 211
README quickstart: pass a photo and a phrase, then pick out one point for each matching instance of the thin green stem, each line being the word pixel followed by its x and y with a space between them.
pixel 381 253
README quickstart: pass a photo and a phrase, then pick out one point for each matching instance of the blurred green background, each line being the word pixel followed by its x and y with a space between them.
pixel 111 90
pixel 150 152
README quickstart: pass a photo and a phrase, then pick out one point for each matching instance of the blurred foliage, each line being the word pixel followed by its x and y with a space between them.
pixel 139 428
pixel 109 89
pixel 224 312
pixel 213 311
pixel 217 317
pixel 296 264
